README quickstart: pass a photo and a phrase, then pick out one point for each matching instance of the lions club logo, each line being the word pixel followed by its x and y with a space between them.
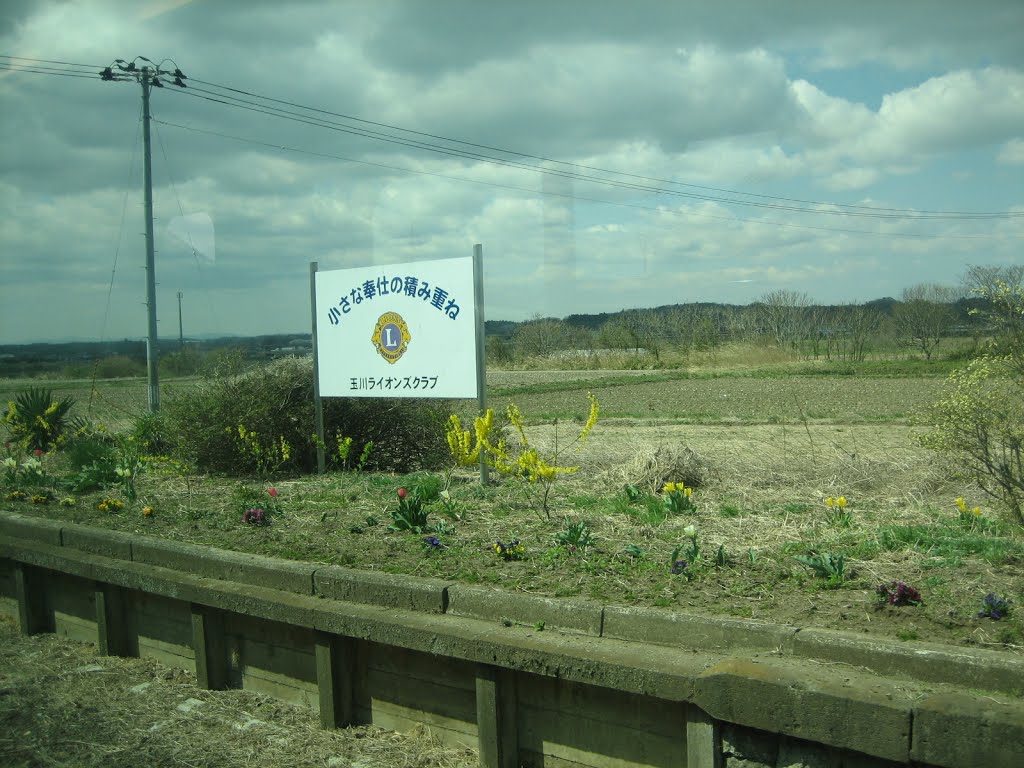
pixel 391 337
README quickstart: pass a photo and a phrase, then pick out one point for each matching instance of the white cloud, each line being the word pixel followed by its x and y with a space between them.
pixel 1012 152
pixel 852 178
pixel 952 111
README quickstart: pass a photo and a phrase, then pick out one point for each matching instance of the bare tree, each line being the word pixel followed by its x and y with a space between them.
pixel 1000 291
pixel 925 316
pixel 862 325
pixel 616 333
pixel 784 316
pixel 541 336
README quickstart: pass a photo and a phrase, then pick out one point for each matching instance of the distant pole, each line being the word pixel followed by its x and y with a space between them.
pixel 148 78
pixel 152 351
pixel 181 328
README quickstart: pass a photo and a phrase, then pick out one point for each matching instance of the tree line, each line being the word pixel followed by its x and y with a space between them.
pixel 919 321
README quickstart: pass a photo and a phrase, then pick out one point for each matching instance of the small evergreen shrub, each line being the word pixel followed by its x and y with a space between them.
pixel 36 419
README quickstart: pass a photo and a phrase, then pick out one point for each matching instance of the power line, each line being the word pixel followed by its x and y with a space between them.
pixel 4 66
pixel 51 61
pixel 910 213
pixel 657 209
pixel 567 171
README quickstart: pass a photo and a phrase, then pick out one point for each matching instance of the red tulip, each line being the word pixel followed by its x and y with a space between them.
pixel 272 492
pixel 402 493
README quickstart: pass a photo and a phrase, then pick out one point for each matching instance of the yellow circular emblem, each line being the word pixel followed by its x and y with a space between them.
pixel 391 337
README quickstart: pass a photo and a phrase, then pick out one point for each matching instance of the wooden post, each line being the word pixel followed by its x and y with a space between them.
pixel 111 620
pixel 703 739
pixel 208 645
pixel 496 717
pixel 335 667
pixel 30 590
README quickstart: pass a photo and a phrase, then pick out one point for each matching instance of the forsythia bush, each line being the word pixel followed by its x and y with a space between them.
pixel 525 461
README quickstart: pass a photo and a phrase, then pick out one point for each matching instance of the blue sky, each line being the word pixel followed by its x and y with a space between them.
pixel 908 111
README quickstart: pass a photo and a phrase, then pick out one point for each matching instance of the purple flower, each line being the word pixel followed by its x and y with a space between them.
pixel 678 567
pixel 433 542
pixel 993 607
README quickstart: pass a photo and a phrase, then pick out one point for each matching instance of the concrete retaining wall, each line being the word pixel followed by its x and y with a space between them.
pixel 600 686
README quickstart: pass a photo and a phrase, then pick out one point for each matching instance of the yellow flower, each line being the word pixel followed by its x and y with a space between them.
pixel 976 511
pixel 669 487
pixel 687 491
pixel 961 504
pixel 591 418
pixel 841 502
pixel 830 502
pixel 147 511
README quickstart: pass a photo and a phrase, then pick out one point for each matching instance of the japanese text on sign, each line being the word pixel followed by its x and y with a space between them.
pixel 392 383
pixel 409 286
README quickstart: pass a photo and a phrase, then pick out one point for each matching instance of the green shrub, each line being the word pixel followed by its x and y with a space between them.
pixel 151 434
pixel 119 367
pixel 275 401
pixel 89 447
pixel 92 457
pixel 187 361
pixel 978 425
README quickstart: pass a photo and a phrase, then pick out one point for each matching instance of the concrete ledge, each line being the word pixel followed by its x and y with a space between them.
pixel 115 544
pixel 972 668
pixel 553 613
pixel 254 570
pixel 31 528
pixel 830 691
pixel 682 630
pixel 961 731
pixel 383 589
pixel 799 700
pixel 838 706
pixel 659 672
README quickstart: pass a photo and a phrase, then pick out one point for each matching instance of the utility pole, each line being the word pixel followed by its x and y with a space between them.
pixel 181 331
pixel 148 77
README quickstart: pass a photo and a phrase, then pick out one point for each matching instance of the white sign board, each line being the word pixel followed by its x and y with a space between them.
pixel 401 330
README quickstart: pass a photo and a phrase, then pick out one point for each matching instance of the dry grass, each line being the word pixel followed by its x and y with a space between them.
pixel 61 704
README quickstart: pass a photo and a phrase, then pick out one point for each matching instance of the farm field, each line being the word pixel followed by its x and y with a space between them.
pixel 762 450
